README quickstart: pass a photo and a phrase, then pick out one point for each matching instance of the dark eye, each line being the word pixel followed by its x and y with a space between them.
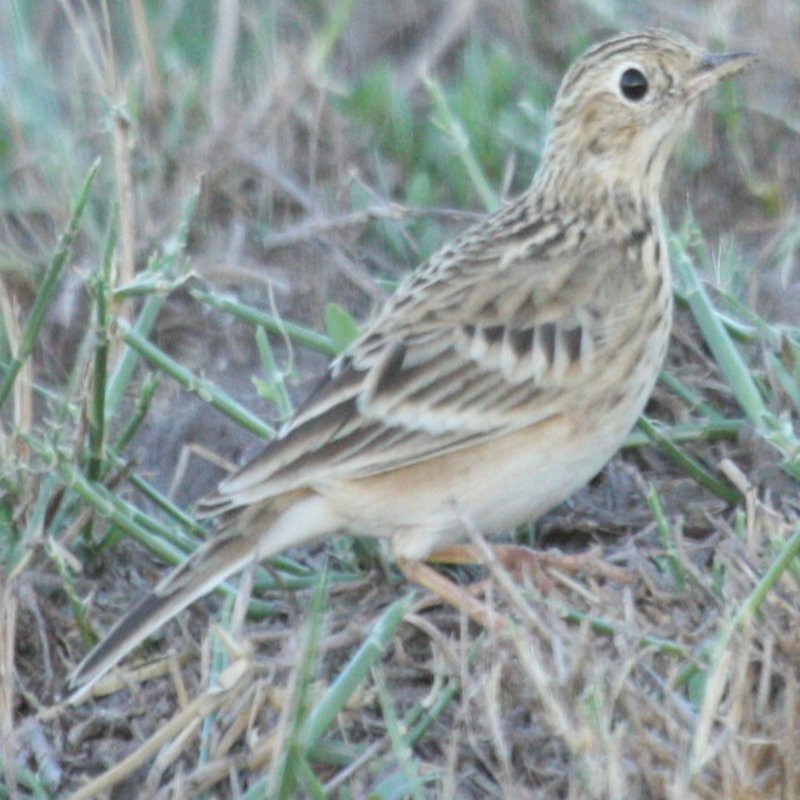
pixel 633 84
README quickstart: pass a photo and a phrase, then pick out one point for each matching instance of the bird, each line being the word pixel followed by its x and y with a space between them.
pixel 502 374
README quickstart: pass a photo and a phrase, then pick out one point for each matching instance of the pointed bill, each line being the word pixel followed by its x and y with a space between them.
pixel 716 67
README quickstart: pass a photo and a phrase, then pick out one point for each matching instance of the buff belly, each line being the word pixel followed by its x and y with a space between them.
pixel 494 486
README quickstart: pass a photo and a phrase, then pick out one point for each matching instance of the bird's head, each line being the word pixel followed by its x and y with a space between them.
pixel 623 104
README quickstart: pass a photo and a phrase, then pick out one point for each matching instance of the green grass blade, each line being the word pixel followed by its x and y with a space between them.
pixel 786 556
pixel 275 377
pixel 162 269
pixel 688 464
pixel 783 561
pixel 725 352
pixel 330 33
pixel 272 324
pixel 100 288
pixel 202 388
pixel 130 520
pixel 662 528
pixel 692 398
pixel 126 366
pixel 354 673
pixel 308 779
pixel 400 746
pixel 711 431
pixel 452 126
pixel 47 286
pixel 285 774
pixel 140 409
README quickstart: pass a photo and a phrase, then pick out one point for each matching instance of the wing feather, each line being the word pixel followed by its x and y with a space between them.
pixel 447 364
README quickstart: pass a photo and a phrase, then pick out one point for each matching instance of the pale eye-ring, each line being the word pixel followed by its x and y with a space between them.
pixel 633 84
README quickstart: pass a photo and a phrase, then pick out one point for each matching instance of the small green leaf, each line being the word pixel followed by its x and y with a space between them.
pixel 342 328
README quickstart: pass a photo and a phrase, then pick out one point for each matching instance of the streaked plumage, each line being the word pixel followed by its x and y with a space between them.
pixel 504 372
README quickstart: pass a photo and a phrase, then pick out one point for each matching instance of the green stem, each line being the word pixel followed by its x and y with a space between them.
pixel 606 628
pixel 693 399
pixel 126 518
pixel 711 431
pixel 788 553
pixel 202 388
pixel 272 324
pixel 688 464
pixel 47 286
pixel 354 673
pixel 726 355
pixel 458 136
pixel 662 528
pixel 123 374
pixel 100 287
pixel 749 607
pixel 140 409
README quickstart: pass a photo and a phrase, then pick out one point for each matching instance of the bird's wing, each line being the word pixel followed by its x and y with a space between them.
pixel 482 341
pixel 490 336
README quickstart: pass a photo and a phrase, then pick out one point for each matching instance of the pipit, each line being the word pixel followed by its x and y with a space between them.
pixel 502 374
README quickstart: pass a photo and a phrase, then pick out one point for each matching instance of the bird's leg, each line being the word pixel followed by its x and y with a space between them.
pixel 518 560
pixel 514 558
pixel 452 594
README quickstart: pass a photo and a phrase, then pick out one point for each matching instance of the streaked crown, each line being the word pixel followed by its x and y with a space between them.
pixel 623 104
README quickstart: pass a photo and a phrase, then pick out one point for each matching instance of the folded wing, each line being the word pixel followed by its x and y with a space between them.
pixel 451 361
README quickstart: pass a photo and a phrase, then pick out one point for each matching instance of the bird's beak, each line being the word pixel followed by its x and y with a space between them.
pixel 715 67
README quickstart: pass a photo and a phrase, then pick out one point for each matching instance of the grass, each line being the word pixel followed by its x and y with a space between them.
pixel 235 188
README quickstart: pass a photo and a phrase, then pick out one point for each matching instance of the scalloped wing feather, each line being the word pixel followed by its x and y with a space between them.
pixel 421 381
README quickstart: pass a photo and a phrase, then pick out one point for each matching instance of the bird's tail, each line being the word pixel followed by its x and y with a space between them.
pixel 261 533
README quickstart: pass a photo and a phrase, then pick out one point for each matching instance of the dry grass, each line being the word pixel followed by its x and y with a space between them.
pixel 307 128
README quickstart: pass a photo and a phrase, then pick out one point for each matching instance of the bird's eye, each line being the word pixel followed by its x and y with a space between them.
pixel 633 84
